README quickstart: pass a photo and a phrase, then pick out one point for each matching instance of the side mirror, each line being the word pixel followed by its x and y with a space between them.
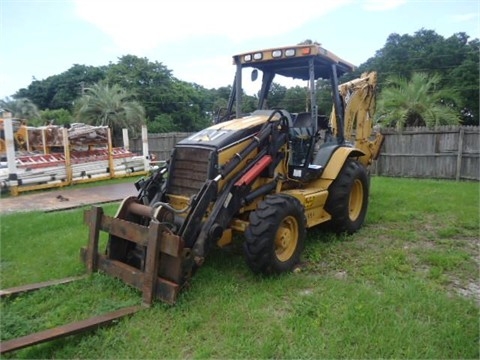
pixel 254 75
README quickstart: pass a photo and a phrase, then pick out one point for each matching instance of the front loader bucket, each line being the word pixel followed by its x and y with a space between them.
pixel 162 275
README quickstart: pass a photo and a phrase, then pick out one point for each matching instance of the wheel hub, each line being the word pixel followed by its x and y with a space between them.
pixel 355 202
pixel 286 239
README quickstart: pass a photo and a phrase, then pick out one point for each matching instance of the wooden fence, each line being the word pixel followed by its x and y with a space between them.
pixel 159 145
pixel 448 152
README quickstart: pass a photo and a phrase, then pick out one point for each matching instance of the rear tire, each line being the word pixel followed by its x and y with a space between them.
pixel 347 201
pixel 275 237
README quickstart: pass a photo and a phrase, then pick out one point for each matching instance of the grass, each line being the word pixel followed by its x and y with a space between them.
pixel 404 286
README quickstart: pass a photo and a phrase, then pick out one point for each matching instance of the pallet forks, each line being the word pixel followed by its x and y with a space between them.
pixel 164 254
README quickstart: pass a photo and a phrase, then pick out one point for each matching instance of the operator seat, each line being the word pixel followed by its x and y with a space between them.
pixel 301 134
pixel 302 139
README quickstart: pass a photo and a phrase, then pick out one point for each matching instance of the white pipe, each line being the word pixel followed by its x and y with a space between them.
pixel 126 142
pixel 55 182
pixel 145 146
pixel 80 171
pixel 10 145
pixel 29 181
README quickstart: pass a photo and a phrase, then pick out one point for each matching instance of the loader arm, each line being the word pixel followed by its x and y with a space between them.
pixel 235 194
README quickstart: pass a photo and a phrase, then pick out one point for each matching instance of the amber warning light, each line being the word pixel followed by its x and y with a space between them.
pixel 306 51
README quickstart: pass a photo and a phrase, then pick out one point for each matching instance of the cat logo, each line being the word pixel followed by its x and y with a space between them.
pixel 309 202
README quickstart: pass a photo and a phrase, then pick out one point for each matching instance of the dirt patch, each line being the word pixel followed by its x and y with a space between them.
pixel 472 288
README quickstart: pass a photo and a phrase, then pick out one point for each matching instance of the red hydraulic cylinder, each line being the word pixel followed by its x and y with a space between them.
pixel 256 170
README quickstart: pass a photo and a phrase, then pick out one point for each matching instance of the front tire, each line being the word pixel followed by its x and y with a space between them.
pixel 275 237
pixel 347 201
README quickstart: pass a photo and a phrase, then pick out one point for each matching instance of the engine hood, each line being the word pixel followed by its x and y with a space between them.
pixel 227 133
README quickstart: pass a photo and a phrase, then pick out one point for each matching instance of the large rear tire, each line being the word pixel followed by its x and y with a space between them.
pixel 347 201
pixel 275 237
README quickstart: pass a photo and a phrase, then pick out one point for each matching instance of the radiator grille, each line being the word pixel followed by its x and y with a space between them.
pixel 189 170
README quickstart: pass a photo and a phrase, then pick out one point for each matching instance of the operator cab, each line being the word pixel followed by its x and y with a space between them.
pixel 309 63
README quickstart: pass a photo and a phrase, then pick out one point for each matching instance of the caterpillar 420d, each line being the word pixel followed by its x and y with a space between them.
pixel 269 174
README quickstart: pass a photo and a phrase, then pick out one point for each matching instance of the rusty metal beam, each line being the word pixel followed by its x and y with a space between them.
pixel 117 227
pixel 163 273
pixel 170 243
pixel 32 287
pixel 165 289
pixel 66 330
pixel 124 229
pixel 151 263
pixel 128 274
pixel 95 216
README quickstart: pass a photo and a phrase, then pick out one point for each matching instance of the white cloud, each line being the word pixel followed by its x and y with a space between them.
pixel 465 17
pixel 382 5
pixel 221 67
pixel 140 25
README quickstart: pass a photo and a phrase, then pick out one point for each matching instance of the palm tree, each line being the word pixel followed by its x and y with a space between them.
pixel 21 108
pixel 113 106
pixel 416 102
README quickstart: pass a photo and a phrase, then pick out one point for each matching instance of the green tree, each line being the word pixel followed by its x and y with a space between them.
pixel 113 106
pixel 188 106
pixel 168 102
pixel 150 81
pixel 57 117
pixel 71 84
pixel 162 123
pixel 21 108
pixel 60 91
pixel 416 102
pixel 296 99
pixel 455 59
pixel 276 95
pixel 465 79
pixel 249 103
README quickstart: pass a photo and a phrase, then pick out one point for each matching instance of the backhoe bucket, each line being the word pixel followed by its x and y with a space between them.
pixel 161 274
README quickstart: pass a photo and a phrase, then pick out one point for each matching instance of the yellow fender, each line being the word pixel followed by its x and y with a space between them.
pixel 337 160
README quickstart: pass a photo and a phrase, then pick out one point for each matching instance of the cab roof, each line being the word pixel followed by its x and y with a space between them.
pixel 292 61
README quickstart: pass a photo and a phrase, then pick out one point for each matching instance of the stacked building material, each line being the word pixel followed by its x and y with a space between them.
pixel 86 155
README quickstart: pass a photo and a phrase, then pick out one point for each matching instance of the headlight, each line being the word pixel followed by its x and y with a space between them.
pixel 289 52
pixel 276 53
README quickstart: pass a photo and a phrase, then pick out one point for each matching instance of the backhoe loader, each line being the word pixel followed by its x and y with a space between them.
pixel 261 178
pixel 270 174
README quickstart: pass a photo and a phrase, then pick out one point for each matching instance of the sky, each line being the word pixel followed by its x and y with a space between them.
pixel 196 39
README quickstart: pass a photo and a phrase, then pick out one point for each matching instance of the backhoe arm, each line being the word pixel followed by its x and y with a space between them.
pixel 359 98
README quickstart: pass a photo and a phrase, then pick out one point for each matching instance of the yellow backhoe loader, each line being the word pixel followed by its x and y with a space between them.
pixel 270 175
